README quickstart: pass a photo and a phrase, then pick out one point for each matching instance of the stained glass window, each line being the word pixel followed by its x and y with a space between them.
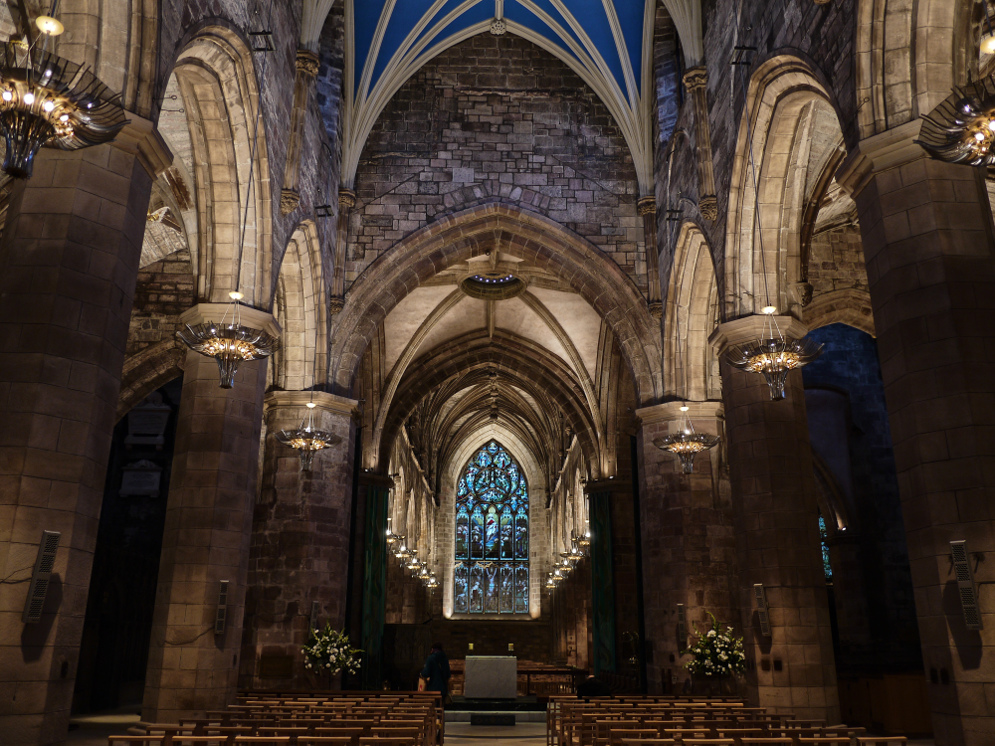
pixel 823 533
pixel 492 535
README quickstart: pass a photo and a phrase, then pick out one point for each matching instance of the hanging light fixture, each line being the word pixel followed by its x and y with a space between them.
pixel 774 354
pixel 550 583
pixel 307 440
pixel 231 343
pixel 574 555
pixel 961 129
pixel 432 582
pixel 685 443
pixel 48 101
pixel 392 538
pixel 402 552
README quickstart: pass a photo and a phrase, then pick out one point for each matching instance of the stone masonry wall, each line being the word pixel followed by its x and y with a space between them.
pixel 527 131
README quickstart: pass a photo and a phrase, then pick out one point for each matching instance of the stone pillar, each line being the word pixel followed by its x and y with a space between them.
pixel 689 543
pixel 930 253
pixel 347 200
pixel 777 534
pixel 307 71
pixel 647 208
pixel 696 82
pixel 192 667
pixel 299 554
pixel 69 257
pixel 603 654
pixel 377 492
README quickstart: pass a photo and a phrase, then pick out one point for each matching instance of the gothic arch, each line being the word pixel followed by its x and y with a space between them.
pixel 147 371
pixel 300 309
pixel 909 56
pixel 692 309
pixel 786 103
pixel 218 87
pixel 522 234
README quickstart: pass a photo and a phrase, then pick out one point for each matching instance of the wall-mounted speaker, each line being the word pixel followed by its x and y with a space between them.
pixel 682 627
pixel 966 587
pixel 41 576
pixel 221 617
pixel 760 595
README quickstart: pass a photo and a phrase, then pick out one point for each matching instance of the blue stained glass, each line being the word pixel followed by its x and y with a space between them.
pixel 823 533
pixel 492 535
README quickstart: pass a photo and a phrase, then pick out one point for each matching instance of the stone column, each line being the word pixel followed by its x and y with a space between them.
pixel 777 534
pixel 69 257
pixel 603 654
pixel 299 554
pixel 307 71
pixel 347 200
pixel 647 208
pixel 192 666
pixel 930 253
pixel 696 82
pixel 689 543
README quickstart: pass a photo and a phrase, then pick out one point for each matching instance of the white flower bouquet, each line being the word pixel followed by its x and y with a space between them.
pixel 716 653
pixel 328 651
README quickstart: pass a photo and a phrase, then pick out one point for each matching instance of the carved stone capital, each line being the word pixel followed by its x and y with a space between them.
pixel 695 78
pixel 141 138
pixel 646 205
pixel 307 63
pixel 347 198
pixel 708 205
pixel 289 201
pixel 335 304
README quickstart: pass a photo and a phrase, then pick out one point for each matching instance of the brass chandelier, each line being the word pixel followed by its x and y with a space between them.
pixel 961 129
pixel 48 101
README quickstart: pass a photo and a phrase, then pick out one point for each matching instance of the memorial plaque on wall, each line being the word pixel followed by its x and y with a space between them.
pixel 141 479
pixel 147 422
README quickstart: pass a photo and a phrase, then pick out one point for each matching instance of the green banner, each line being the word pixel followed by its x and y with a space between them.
pixel 602 581
pixel 374 585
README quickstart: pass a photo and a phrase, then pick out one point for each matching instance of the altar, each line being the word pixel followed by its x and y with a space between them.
pixel 491 677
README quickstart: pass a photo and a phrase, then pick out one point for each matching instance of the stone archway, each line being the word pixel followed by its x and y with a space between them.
pixel 523 234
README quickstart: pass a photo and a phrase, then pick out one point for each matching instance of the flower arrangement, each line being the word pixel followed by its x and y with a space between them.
pixel 329 651
pixel 716 653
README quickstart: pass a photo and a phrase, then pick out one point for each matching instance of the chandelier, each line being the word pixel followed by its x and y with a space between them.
pixel 574 554
pixel 686 443
pixel 46 100
pixel 962 128
pixel 307 440
pixel 229 343
pixel 773 355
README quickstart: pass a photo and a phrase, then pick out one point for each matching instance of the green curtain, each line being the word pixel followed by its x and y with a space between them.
pixel 603 591
pixel 374 585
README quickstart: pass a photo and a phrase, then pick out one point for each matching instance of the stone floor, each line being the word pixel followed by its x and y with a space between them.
pixel 93 731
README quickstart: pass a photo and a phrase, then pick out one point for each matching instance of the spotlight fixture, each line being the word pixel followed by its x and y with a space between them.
pixel 48 101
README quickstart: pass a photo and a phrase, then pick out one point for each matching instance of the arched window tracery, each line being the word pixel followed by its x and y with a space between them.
pixel 492 535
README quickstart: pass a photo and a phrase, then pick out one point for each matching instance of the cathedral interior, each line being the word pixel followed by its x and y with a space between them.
pixel 556 329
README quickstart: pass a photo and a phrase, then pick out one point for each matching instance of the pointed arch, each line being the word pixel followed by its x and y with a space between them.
pixel 787 102
pixel 299 306
pixel 217 82
pixel 692 312
pixel 523 234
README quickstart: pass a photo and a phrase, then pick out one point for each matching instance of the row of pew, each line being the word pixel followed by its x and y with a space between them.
pixel 335 719
pixel 677 721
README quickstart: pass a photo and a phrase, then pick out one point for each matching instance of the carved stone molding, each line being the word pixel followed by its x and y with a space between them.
pixel 289 201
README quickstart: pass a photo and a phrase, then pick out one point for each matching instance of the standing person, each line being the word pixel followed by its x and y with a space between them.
pixel 436 671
